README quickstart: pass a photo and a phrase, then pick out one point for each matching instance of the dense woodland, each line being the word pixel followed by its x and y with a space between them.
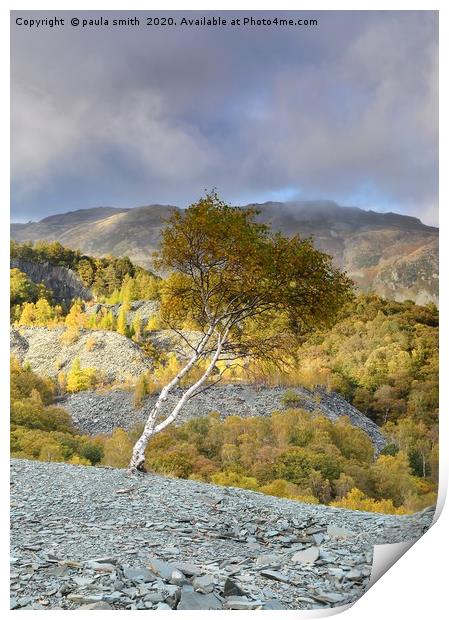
pixel 381 355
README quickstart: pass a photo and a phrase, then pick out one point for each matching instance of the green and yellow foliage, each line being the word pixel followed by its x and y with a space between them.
pixel 102 275
pixel 293 454
pixel 233 479
pixel 90 344
pixel 76 318
pixel 80 379
pixel 381 355
pixel 105 320
pixel 141 390
pixel 356 500
pixel 154 323
pixel 40 313
pixel 22 289
pixel 117 449
pixel 143 285
pixel 40 430
pixel 137 328
pixel 122 327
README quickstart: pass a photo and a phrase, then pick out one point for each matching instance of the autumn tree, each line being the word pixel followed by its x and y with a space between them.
pixel 228 271
pixel 21 288
pixel 79 379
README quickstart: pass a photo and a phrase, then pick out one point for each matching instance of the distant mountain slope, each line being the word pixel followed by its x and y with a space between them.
pixel 393 254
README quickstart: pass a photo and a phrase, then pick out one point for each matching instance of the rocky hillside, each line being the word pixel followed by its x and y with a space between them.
pixel 64 284
pixel 97 412
pixel 114 356
pixel 146 310
pixel 118 359
pixel 392 254
pixel 96 538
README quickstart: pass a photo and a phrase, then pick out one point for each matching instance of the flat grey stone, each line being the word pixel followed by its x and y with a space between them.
pixel 113 597
pixel 274 604
pixel 334 531
pixel 178 578
pixel 154 597
pixel 354 575
pixel 232 589
pixel 306 556
pixel 161 568
pixel 276 575
pixel 268 560
pixel 187 568
pixel 85 598
pixel 196 600
pixel 204 584
pixel 163 606
pixel 100 605
pixel 329 597
pixel 101 567
pixel 242 602
pixel 138 575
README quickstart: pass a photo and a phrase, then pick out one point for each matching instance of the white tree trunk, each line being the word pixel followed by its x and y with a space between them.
pixel 189 393
pixel 138 456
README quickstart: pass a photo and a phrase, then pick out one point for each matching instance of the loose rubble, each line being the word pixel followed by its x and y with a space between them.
pixel 113 356
pixel 102 412
pixel 179 544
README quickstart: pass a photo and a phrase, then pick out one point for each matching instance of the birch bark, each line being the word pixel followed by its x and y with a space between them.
pixel 138 456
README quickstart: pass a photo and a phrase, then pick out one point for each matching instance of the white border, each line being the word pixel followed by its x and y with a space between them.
pixel 414 586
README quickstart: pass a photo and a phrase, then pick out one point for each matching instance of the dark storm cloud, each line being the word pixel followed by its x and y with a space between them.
pixel 345 110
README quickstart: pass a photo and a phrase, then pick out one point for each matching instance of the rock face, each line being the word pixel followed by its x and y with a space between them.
pixel 114 356
pixel 64 283
pixel 95 412
pixel 392 254
pixel 76 541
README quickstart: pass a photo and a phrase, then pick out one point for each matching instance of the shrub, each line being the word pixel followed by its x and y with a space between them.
pixel 178 460
pixel 69 336
pixel 117 449
pixel 290 398
pixel 90 343
pixel 356 500
pixel 80 379
pixel 32 414
pixel 231 478
pixel 281 488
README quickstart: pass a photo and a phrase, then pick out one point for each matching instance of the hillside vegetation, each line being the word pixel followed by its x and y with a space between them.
pixel 380 355
pixel 291 454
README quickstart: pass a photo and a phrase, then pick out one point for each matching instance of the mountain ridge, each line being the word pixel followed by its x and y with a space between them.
pixel 392 254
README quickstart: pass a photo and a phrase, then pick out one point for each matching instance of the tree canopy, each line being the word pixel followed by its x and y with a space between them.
pixel 232 276
pixel 229 271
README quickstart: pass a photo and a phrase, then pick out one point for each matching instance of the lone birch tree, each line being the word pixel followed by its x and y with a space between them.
pixel 234 278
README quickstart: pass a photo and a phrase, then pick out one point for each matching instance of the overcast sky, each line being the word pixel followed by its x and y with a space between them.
pixel 345 111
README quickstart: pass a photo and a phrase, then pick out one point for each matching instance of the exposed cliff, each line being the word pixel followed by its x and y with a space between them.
pixel 64 284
